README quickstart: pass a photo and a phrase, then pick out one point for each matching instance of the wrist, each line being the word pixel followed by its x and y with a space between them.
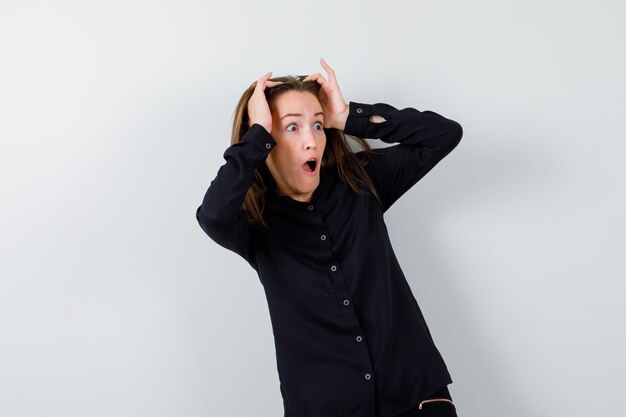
pixel 342 118
pixel 269 129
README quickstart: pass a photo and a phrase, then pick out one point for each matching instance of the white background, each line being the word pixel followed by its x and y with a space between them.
pixel 113 120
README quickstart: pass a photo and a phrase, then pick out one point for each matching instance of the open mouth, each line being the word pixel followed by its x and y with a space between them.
pixel 310 165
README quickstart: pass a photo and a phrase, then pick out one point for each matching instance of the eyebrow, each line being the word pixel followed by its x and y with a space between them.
pixel 298 114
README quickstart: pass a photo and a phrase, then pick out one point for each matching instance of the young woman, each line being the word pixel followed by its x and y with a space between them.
pixel 306 212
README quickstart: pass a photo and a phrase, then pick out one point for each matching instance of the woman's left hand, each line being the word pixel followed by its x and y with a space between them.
pixel 334 106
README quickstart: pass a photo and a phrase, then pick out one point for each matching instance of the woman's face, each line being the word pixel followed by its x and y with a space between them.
pixel 298 129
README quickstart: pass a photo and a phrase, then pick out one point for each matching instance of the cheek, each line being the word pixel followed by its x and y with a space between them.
pixel 279 160
pixel 322 144
pixel 269 164
pixel 288 156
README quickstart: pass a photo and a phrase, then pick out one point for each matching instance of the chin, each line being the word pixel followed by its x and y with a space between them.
pixel 311 188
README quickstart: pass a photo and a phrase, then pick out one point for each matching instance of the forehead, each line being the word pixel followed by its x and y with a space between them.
pixel 302 102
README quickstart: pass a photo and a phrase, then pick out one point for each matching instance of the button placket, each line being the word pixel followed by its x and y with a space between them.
pixel 334 268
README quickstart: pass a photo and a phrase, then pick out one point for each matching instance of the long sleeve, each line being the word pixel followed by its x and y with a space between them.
pixel 424 138
pixel 221 214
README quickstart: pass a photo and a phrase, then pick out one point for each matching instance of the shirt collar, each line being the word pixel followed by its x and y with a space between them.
pixel 328 176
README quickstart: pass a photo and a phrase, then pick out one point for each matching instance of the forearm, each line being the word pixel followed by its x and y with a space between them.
pixel 343 117
pixel 221 209
pixel 424 139
pixel 407 126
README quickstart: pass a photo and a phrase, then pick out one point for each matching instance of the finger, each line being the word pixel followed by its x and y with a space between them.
pixel 273 83
pixel 261 78
pixel 326 66
pixel 329 70
pixel 316 77
pixel 260 83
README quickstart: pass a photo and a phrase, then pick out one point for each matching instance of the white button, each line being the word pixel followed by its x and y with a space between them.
pixel 310 207
pixel 359 110
pixel 368 376
pixel 323 237
pixel 346 302
pixel 359 338
pixel 333 268
pixel 267 145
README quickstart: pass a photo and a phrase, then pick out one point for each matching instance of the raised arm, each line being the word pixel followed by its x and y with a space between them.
pixel 424 138
pixel 221 214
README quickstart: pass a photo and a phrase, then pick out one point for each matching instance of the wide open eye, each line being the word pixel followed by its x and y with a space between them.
pixel 320 125
pixel 290 130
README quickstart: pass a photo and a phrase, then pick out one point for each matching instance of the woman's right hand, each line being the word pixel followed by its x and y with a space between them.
pixel 258 108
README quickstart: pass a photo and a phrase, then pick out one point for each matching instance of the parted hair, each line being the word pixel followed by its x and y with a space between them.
pixel 337 154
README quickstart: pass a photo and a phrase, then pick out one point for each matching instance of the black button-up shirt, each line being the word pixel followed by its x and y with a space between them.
pixel 350 338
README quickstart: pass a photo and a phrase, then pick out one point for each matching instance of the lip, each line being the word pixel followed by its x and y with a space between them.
pixel 314 172
pixel 310 173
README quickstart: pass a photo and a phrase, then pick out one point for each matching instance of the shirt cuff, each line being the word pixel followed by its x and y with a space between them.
pixel 260 138
pixel 358 118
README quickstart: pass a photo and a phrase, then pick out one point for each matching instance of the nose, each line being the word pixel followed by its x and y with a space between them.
pixel 310 140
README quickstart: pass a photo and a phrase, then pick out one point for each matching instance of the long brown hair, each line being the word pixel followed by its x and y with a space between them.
pixel 338 155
